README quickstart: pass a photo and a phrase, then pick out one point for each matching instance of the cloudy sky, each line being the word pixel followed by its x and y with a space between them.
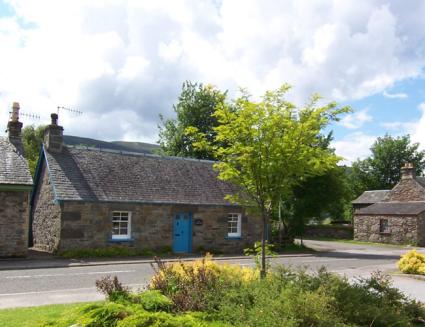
pixel 122 63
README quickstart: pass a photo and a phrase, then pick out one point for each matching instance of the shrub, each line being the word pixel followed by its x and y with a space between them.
pixel 290 297
pixel 153 300
pixel 104 314
pixel 162 319
pixel 112 251
pixel 412 263
pixel 112 288
pixel 197 285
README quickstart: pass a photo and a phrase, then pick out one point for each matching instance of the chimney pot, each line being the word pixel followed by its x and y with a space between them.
pixel 408 171
pixel 54 119
pixel 53 135
pixel 14 126
pixel 15 112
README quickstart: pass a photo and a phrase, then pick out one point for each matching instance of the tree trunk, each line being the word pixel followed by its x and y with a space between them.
pixel 263 245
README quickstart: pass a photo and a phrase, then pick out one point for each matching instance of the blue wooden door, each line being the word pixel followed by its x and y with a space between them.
pixel 182 233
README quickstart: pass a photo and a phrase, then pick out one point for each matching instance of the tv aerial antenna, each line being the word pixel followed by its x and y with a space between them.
pixel 73 111
pixel 15 113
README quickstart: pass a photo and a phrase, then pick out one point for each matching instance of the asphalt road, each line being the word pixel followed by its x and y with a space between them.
pixel 31 287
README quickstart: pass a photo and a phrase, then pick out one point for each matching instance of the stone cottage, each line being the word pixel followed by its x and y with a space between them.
pixel 92 198
pixel 394 216
pixel 15 188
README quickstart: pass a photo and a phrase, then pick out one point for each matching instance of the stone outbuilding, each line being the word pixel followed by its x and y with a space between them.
pixel 394 216
pixel 95 198
pixel 15 187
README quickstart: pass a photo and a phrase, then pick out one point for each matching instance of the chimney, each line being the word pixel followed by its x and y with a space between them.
pixel 408 171
pixel 14 126
pixel 53 135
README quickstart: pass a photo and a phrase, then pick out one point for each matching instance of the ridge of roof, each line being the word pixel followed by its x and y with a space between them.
pixel 137 154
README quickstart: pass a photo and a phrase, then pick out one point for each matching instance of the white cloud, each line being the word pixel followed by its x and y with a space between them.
pixel 400 127
pixel 115 59
pixel 394 95
pixel 353 146
pixel 419 132
pixel 356 120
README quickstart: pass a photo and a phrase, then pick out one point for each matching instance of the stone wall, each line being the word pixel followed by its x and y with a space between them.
pixel 406 190
pixel 402 229
pixel 329 231
pixel 46 216
pixel 88 225
pixel 421 229
pixel 14 220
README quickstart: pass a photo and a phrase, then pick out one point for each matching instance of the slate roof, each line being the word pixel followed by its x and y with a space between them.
pixel 369 197
pixel 420 180
pixel 13 166
pixel 393 208
pixel 80 174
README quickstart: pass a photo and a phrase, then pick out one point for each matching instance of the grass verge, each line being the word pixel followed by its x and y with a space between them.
pixel 37 316
pixel 330 239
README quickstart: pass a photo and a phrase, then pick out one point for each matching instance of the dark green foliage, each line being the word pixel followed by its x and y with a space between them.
pixel 104 314
pixel 381 170
pixel 112 288
pixel 32 139
pixel 114 251
pixel 195 107
pixel 322 196
pixel 153 300
pixel 162 319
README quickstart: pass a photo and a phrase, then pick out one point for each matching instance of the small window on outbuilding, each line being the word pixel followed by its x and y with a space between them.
pixel 383 226
pixel 234 225
pixel 121 225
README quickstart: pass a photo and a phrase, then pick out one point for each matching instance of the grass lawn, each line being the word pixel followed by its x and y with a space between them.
pixel 329 239
pixel 35 316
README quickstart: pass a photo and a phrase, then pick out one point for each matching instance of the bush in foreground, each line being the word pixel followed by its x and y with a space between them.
pixel 412 263
pixel 207 294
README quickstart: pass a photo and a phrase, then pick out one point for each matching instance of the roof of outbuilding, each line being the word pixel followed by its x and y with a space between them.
pixel 13 166
pixel 369 197
pixel 393 208
pixel 80 174
pixel 420 180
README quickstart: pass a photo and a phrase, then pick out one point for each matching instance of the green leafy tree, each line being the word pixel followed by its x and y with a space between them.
pixel 195 108
pixel 270 147
pixel 32 138
pixel 322 196
pixel 381 170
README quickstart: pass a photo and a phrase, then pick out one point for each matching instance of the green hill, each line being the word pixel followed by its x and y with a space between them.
pixel 139 147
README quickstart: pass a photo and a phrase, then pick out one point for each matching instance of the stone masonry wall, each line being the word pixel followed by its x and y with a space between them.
pixel 406 190
pixel 329 231
pixel 14 220
pixel 46 216
pixel 421 229
pixel 88 225
pixel 403 229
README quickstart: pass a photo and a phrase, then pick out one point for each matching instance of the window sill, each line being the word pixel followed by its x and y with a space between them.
pixel 233 238
pixel 120 240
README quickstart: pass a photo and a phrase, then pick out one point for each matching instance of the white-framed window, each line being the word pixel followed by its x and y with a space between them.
pixel 121 225
pixel 234 224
